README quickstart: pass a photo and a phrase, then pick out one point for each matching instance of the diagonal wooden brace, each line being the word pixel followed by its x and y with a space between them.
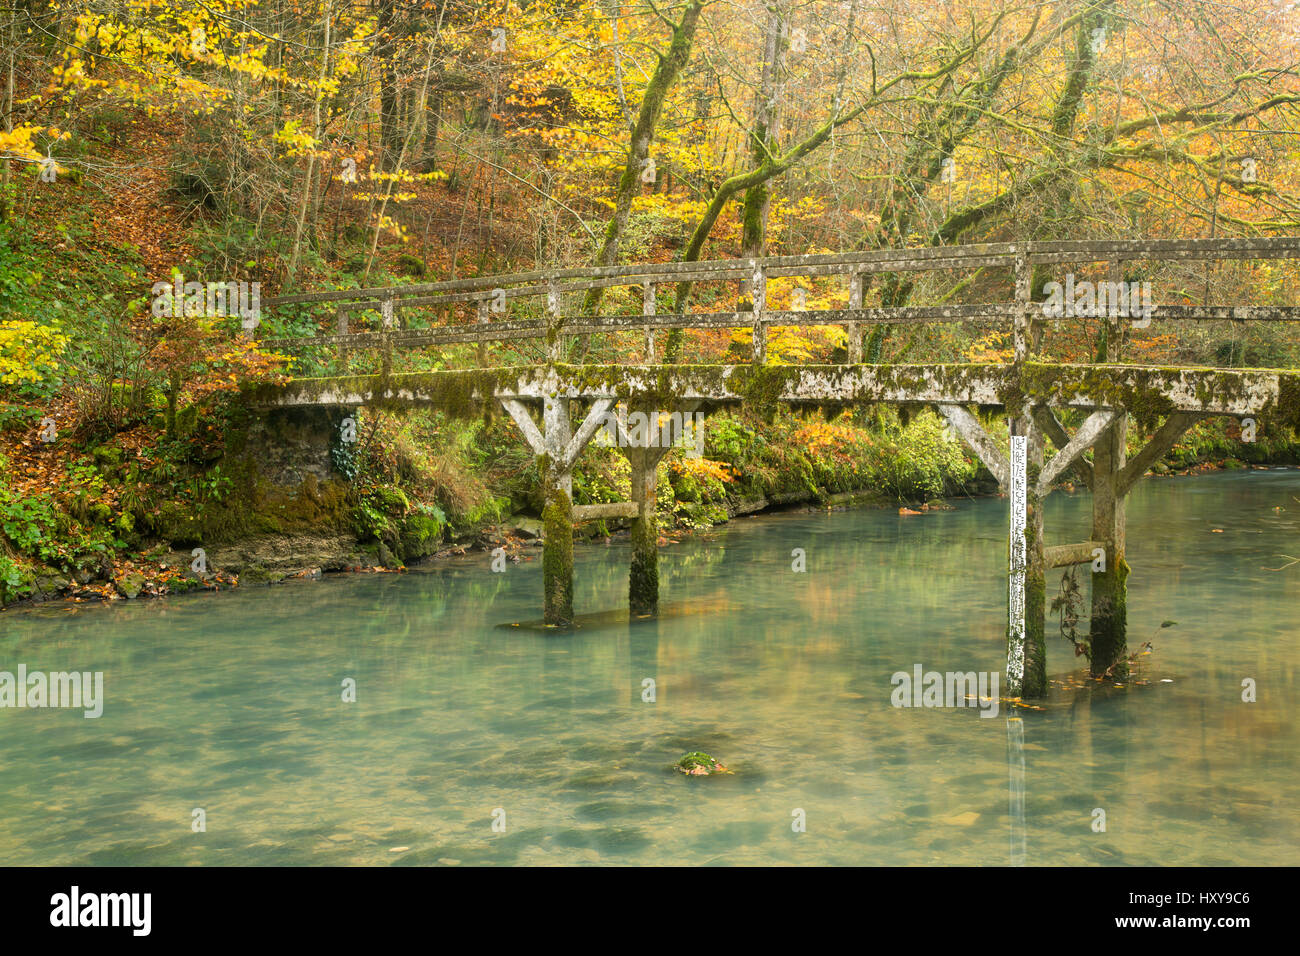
pixel 1163 440
pixel 1053 429
pixel 973 433
pixel 532 434
pixel 595 419
pixel 1091 429
pixel 569 453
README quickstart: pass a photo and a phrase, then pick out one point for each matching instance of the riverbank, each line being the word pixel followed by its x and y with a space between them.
pixel 386 507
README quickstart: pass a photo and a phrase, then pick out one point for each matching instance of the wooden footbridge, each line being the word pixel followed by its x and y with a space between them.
pixel 559 404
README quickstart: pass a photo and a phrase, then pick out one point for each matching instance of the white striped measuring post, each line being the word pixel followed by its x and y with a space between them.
pixel 1018 556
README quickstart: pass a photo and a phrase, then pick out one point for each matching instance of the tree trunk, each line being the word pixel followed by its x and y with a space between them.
pixel 643 130
pixel 763 143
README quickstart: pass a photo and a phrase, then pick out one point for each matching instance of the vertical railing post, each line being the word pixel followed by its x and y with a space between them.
pixel 341 328
pixel 758 290
pixel 1020 330
pixel 386 320
pixel 482 320
pixel 554 341
pixel 855 328
pixel 1114 328
pixel 648 308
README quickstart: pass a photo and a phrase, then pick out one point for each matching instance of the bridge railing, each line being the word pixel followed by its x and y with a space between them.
pixel 491 295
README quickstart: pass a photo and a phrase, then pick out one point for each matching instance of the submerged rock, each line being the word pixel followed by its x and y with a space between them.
pixel 696 764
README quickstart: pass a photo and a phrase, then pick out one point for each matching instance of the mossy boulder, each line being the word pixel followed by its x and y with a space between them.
pixel 410 265
pixel 130 584
pixel 256 574
pixel 49 585
pixel 178 524
pixel 420 536
pixel 392 500
pixel 107 456
pixel 187 419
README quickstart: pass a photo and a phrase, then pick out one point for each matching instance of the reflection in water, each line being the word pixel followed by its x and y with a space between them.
pixel 232 703
pixel 1016 771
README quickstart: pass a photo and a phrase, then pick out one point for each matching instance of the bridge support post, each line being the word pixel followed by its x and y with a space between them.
pixel 557 515
pixel 1035 680
pixel 643 573
pixel 1027 598
pixel 1027 650
pixel 1108 630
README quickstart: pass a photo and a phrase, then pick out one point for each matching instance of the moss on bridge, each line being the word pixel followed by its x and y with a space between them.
pixel 1144 391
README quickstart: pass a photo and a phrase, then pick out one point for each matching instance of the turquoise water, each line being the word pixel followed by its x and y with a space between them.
pixel 233 703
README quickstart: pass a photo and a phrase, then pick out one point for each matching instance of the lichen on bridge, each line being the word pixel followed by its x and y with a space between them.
pixel 1146 392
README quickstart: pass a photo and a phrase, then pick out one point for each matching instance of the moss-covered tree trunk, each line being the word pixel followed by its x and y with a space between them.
pixel 173 394
pixel 642 133
pixel 763 144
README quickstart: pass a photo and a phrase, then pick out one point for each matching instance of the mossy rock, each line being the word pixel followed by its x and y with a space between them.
pixel 187 419
pixel 177 525
pixel 408 264
pixel 50 585
pixel 107 456
pixel 420 537
pixel 697 764
pixel 392 500
pixel 130 584
pixel 256 574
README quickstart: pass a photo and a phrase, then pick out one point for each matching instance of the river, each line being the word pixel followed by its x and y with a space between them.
pixel 233 703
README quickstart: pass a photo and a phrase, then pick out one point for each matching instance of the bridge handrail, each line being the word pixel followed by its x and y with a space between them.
pixel 865 262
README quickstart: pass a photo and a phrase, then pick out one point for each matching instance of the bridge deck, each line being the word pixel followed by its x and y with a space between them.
pixel 1146 392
